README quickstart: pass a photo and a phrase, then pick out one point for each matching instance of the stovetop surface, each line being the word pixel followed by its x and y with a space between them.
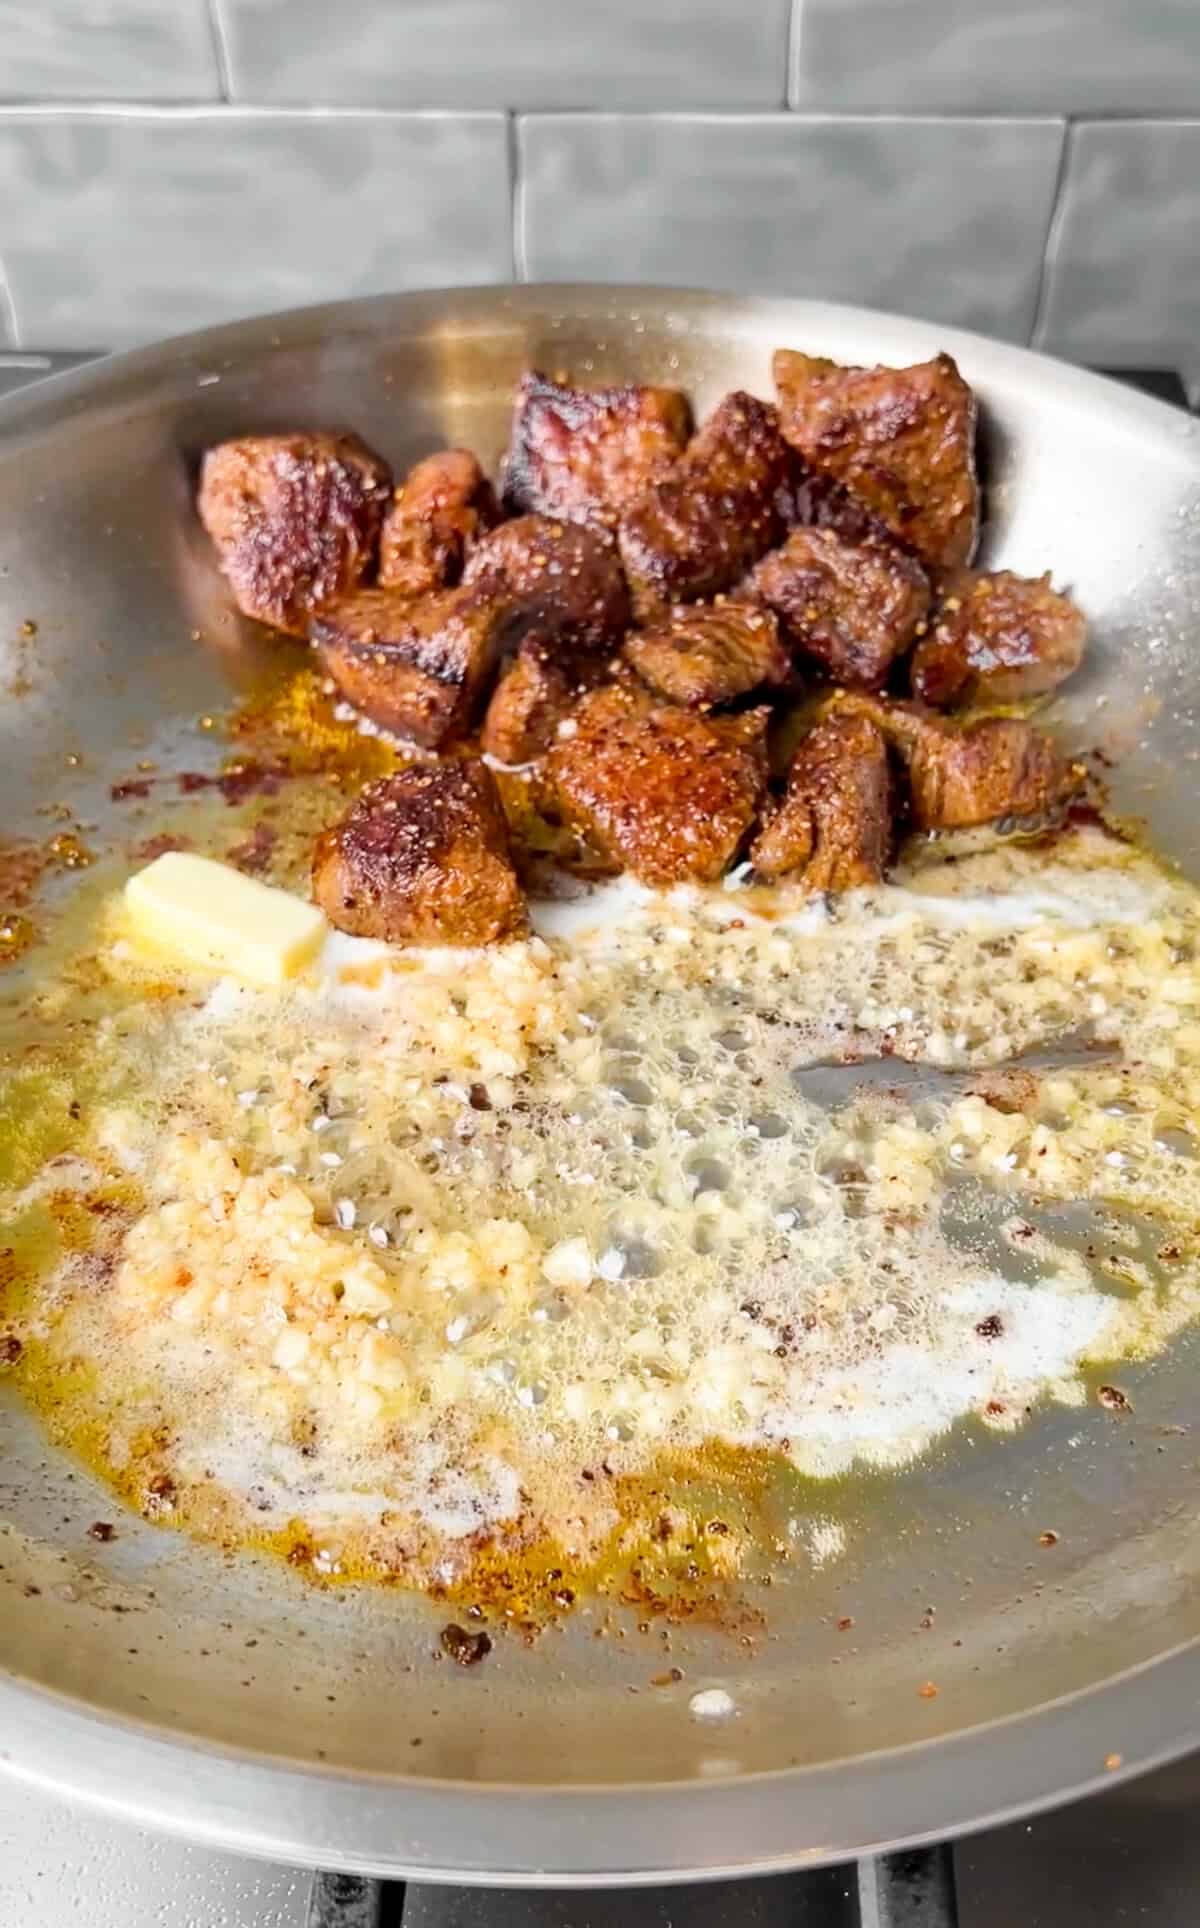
pixel 1129 1856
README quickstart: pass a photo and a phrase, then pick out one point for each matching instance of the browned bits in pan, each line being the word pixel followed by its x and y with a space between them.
pixel 465 1649
pixel 161 1496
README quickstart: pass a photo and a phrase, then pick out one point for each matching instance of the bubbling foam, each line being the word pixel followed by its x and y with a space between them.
pixel 438 1233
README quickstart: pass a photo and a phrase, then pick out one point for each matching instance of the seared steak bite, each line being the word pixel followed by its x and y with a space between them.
pixel 997 638
pixel 665 794
pixel 538 689
pixel 698 530
pixel 418 666
pixel 295 520
pixel 703 655
pixel 851 608
pixel 557 578
pixel 443 505
pixel 834 825
pixel 902 439
pixel 587 453
pixel 422 858
pixel 814 499
pixel 960 777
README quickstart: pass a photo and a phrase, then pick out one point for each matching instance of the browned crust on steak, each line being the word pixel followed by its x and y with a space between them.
pixel 422 858
pixel 706 654
pixel 997 638
pixel 443 505
pixel 850 608
pixel 698 530
pixel 535 693
pixel 901 439
pixel 962 776
pixel 585 454
pixel 834 825
pixel 295 520
pixel 665 794
pixel 558 578
pixel 416 666
pixel 813 499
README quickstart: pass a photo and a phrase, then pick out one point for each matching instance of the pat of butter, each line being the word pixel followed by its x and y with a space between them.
pixel 193 908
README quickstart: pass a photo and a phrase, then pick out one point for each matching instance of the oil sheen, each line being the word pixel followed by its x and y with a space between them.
pixel 436 1251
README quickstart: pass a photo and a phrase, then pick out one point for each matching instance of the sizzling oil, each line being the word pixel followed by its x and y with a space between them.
pixel 460 1269
pixel 498 1271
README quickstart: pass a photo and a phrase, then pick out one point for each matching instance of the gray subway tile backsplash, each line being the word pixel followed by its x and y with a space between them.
pixel 1123 276
pixel 1017 166
pixel 108 49
pixel 523 53
pixel 945 218
pixel 988 56
pixel 117 228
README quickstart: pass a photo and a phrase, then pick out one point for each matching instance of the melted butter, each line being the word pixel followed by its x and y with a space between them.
pixel 467 1269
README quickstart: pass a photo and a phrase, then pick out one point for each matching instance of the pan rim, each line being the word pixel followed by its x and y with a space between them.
pixel 41 402
pixel 315 1815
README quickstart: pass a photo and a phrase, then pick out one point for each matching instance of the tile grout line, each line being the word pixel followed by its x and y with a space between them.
pixel 1053 234
pixel 220 47
pixel 8 311
pixel 209 108
pixel 516 188
pixel 247 106
pixel 791 51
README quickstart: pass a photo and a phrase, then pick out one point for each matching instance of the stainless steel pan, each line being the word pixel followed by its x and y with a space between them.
pixel 226 1700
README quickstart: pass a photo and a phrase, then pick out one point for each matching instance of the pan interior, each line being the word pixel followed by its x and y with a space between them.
pixel 104 580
